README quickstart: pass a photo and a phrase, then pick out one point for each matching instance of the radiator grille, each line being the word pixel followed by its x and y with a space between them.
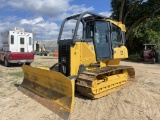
pixel 64 59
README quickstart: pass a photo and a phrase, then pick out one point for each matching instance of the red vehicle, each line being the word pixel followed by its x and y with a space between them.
pixel 149 54
pixel 16 57
pixel 17 47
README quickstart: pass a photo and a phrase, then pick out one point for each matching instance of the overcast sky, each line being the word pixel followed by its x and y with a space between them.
pixel 45 16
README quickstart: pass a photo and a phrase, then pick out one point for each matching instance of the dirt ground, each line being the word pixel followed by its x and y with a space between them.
pixel 140 101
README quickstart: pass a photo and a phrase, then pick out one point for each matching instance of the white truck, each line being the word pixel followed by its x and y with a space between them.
pixel 17 47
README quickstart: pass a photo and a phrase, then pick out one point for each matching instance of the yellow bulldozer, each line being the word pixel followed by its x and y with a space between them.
pixel 88 64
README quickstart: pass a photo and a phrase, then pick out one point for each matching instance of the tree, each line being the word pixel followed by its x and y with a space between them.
pixel 146 32
pixel 121 10
pixel 138 16
pixel 134 12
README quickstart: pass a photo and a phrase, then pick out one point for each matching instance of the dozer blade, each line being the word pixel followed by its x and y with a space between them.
pixel 50 88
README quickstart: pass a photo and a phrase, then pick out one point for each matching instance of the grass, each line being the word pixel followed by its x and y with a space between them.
pixel 133 57
pixel 17 74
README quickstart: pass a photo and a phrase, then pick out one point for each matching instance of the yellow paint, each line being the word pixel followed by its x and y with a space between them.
pixel 54 81
pixel 83 53
pixel 119 24
pixel 108 83
pixel 120 52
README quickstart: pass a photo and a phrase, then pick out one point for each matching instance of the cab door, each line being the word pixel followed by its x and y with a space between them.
pixel 102 40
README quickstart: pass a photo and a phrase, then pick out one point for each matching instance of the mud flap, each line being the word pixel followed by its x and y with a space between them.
pixel 50 88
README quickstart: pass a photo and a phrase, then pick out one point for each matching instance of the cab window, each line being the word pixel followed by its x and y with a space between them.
pixel 116 34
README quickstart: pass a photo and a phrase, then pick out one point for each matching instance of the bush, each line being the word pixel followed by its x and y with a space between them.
pixel 133 57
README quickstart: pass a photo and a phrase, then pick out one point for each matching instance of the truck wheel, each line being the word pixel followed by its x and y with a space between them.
pixel 6 63
pixel 28 64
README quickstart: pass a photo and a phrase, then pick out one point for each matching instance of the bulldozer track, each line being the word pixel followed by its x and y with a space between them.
pixel 89 84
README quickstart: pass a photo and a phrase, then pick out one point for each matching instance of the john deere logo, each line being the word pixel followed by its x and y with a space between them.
pixel 121 52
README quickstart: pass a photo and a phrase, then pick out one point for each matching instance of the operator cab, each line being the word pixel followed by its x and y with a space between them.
pixel 105 36
pixel 91 27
